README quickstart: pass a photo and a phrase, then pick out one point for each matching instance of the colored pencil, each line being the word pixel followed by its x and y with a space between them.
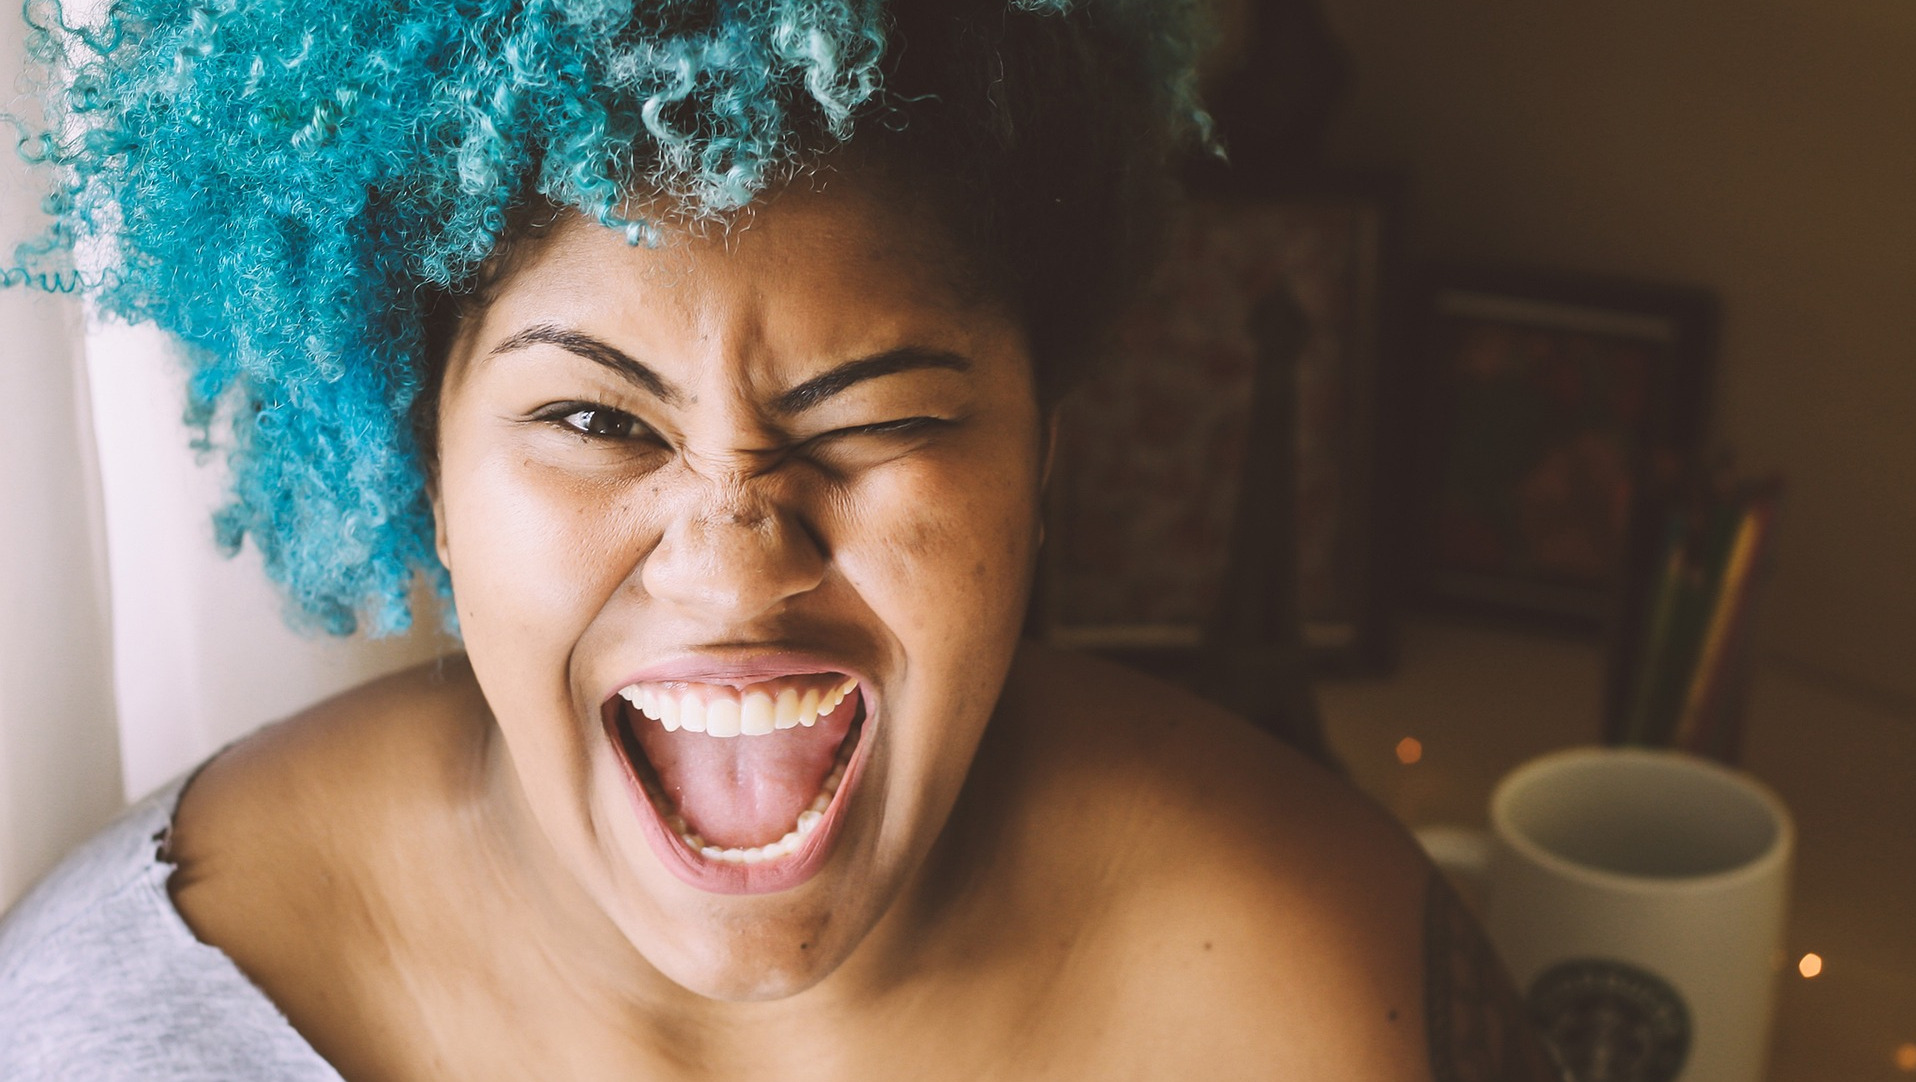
pixel 1731 591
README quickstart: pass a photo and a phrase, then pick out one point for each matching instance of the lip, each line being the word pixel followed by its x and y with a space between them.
pixel 720 877
pixel 749 669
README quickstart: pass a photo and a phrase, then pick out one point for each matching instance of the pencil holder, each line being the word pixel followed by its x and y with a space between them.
pixel 1679 665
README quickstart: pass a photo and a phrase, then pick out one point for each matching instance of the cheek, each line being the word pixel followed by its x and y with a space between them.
pixel 535 555
pixel 943 553
pixel 534 551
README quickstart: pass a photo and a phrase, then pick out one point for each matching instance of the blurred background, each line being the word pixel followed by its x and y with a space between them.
pixel 1757 150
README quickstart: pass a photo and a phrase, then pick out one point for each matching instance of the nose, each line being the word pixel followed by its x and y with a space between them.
pixel 730 554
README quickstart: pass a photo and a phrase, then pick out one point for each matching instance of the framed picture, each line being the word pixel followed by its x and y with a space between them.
pixel 1218 472
pixel 1553 407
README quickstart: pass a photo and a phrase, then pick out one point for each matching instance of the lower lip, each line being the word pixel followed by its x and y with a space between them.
pixel 724 877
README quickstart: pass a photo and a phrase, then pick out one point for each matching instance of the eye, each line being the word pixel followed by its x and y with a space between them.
pixel 593 421
pixel 858 446
pixel 904 426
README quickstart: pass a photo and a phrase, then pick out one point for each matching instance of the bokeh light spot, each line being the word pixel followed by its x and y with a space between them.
pixel 1810 965
pixel 1409 750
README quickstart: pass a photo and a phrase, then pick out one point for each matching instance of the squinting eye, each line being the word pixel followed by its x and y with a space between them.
pixel 907 426
pixel 846 448
pixel 599 422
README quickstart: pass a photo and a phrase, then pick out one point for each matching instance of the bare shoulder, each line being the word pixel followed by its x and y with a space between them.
pixel 269 832
pixel 386 736
pixel 1260 916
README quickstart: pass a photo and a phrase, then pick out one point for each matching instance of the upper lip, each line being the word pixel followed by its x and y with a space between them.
pixel 738 669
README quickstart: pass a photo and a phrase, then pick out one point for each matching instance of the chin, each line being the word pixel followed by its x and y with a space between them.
pixel 756 971
pixel 742 949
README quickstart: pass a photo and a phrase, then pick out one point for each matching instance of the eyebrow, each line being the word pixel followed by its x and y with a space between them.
pixel 592 349
pixel 891 362
pixel 805 396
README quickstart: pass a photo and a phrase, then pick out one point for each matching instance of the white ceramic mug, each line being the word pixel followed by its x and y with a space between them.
pixel 1638 898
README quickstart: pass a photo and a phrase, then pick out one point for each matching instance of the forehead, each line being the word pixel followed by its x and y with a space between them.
pixel 826 271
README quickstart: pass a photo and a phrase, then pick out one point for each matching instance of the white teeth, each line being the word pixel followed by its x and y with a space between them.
pixel 784 847
pixel 663 709
pixel 691 713
pixel 722 717
pixel 835 696
pixel 755 714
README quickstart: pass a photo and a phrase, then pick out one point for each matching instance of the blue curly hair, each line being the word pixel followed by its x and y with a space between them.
pixel 305 194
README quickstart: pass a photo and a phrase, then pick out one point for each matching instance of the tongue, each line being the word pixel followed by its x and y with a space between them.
pixel 743 791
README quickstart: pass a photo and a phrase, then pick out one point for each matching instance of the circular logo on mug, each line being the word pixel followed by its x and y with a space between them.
pixel 1611 1022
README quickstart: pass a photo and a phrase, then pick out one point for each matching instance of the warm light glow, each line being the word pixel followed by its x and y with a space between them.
pixel 1906 1058
pixel 1810 965
pixel 1409 750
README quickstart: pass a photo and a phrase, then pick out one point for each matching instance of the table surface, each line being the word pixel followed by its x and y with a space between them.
pixel 1481 700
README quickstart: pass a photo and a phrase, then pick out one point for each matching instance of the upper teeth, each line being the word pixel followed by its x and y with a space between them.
pixel 721 711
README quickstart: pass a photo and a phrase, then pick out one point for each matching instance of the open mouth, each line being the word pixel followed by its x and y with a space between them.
pixel 740 783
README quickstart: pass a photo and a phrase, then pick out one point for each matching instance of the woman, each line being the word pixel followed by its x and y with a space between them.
pixel 704 353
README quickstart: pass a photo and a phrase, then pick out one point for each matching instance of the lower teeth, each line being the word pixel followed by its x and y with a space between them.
pixel 808 821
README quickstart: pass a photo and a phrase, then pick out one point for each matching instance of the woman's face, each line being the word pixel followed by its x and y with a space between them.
pixel 692 496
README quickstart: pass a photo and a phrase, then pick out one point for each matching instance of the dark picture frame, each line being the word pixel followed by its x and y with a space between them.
pixel 1233 432
pixel 1553 408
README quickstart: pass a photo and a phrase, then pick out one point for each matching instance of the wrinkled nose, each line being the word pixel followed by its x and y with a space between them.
pixel 731 557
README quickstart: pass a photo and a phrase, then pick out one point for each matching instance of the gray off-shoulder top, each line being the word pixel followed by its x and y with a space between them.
pixel 102 981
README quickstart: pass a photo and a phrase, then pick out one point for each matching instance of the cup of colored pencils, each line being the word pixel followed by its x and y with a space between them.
pixel 1680 661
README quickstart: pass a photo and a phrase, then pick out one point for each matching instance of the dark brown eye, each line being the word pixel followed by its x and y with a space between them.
pixel 598 422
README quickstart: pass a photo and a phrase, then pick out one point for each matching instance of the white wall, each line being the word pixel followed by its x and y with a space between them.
pixel 202 653
pixel 59 760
